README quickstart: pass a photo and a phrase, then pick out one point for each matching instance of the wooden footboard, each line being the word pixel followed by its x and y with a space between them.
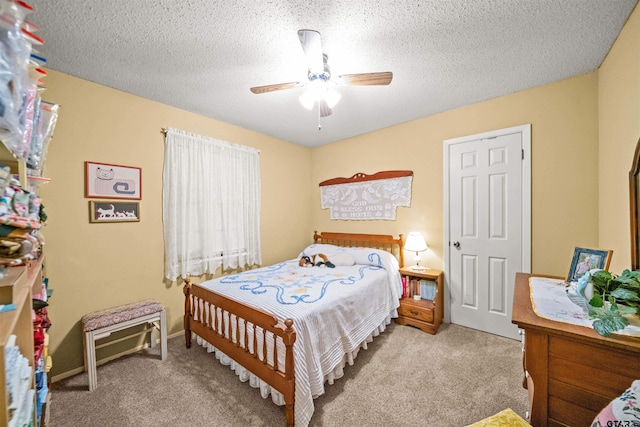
pixel 243 333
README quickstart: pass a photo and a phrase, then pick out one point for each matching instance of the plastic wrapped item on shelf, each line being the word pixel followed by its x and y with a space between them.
pixel 5 177
pixel 43 132
pixel 29 106
pixel 9 103
pixel 15 52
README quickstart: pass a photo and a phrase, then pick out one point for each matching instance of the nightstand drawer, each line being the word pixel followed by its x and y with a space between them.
pixel 415 312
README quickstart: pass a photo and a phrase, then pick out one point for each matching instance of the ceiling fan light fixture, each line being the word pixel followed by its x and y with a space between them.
pixel 307 99
pixel 319 90
pixel 332 97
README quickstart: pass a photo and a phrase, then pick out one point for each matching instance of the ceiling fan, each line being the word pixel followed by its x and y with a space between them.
pixel 320 82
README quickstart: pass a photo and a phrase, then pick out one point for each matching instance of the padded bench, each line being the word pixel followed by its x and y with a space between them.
pixel 102 324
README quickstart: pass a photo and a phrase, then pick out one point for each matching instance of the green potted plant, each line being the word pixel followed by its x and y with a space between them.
pixel 613 298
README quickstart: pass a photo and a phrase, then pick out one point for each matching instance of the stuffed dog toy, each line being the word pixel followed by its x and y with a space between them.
pixel 319 260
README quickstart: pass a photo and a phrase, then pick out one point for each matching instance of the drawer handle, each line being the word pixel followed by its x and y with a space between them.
pixel 415 313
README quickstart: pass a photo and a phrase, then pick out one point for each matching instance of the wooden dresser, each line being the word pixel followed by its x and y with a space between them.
pixel 572 371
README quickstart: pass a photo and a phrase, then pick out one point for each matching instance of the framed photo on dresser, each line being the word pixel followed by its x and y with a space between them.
pixel 585 259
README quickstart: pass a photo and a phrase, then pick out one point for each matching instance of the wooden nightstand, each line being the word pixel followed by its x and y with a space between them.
pixel 425 314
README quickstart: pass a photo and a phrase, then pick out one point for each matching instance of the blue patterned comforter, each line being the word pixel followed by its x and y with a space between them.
pixel 334 309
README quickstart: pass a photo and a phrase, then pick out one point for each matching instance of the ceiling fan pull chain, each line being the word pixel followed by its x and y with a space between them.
pixel 319 125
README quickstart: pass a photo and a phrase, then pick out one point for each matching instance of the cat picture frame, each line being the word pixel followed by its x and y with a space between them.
pixel 113 211
pixel 108 181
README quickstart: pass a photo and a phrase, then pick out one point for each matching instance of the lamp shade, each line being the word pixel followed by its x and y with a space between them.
pixel 415 242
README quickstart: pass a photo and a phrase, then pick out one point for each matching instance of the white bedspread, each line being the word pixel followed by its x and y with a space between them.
pixel 335 312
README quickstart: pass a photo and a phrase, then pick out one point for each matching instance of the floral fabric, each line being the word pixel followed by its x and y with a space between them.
pixel 621 411
pixel 112 316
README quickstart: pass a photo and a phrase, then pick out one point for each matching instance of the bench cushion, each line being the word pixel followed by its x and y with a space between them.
pixel 123 313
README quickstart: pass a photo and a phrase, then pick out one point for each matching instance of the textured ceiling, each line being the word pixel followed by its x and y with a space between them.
pixel 203 56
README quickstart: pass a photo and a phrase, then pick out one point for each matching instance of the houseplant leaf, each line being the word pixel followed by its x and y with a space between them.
pixel 625 294
pixel 609 323
pixel 601 280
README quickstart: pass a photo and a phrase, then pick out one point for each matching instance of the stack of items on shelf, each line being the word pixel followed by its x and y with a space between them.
pixel 43 362
pixel 21 216
pixel 26 129
pixel 26 121
pixel 18 379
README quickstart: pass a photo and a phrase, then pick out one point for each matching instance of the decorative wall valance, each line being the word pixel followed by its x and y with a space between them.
pixel 367 197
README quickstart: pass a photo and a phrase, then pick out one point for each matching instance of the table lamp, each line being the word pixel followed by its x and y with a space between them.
pixel 416 243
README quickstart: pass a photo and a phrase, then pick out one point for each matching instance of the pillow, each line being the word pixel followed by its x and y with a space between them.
pixel 376 257
pixel 321 248
pixel 622 410
pixel 343 259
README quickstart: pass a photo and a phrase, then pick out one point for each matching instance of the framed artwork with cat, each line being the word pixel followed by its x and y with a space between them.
pixel 112 211
pixel 106 181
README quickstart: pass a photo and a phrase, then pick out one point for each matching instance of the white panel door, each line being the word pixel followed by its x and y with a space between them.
pixel 485 231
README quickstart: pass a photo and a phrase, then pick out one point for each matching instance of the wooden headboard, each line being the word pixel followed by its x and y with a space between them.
pixel 384 242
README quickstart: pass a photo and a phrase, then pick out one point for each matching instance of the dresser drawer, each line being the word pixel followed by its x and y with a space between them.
pixel 416 312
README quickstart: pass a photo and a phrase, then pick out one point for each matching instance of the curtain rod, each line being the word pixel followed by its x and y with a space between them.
pixel 165 130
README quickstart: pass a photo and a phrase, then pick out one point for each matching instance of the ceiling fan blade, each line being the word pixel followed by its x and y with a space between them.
pixel 272 88
pixel 324 108
pixel 383 78
pixel 312 47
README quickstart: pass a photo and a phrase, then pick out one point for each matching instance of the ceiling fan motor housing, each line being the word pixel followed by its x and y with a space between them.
pixel 326 75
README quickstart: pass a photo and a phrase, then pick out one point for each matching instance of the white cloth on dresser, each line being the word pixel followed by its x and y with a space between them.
pixel 550 300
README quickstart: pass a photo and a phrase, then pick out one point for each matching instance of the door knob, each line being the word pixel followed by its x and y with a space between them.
pixel 456 245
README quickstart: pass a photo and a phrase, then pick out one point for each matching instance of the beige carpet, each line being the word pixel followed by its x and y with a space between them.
pixel 405 378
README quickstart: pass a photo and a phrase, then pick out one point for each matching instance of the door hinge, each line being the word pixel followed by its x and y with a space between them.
pixel 523 154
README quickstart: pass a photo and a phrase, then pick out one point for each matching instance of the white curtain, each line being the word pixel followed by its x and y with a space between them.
pixel 211 205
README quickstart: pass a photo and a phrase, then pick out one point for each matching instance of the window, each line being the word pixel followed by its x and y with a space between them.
pixel 211 205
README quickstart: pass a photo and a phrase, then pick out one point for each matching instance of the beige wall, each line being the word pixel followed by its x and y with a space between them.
pixel 619 123
pixel 563 117
pixel 95 266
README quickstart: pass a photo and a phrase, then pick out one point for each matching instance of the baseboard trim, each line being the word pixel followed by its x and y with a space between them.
pixel 80 370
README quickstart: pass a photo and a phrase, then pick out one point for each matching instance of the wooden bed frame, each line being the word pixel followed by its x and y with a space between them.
pixel 201 304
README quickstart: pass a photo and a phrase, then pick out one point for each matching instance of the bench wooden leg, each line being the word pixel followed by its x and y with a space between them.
pixel 160 325
pixel 155 326
pixel 163 335
pixel 90 359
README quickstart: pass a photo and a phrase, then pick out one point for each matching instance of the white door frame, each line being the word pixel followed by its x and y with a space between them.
pixel 525 130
